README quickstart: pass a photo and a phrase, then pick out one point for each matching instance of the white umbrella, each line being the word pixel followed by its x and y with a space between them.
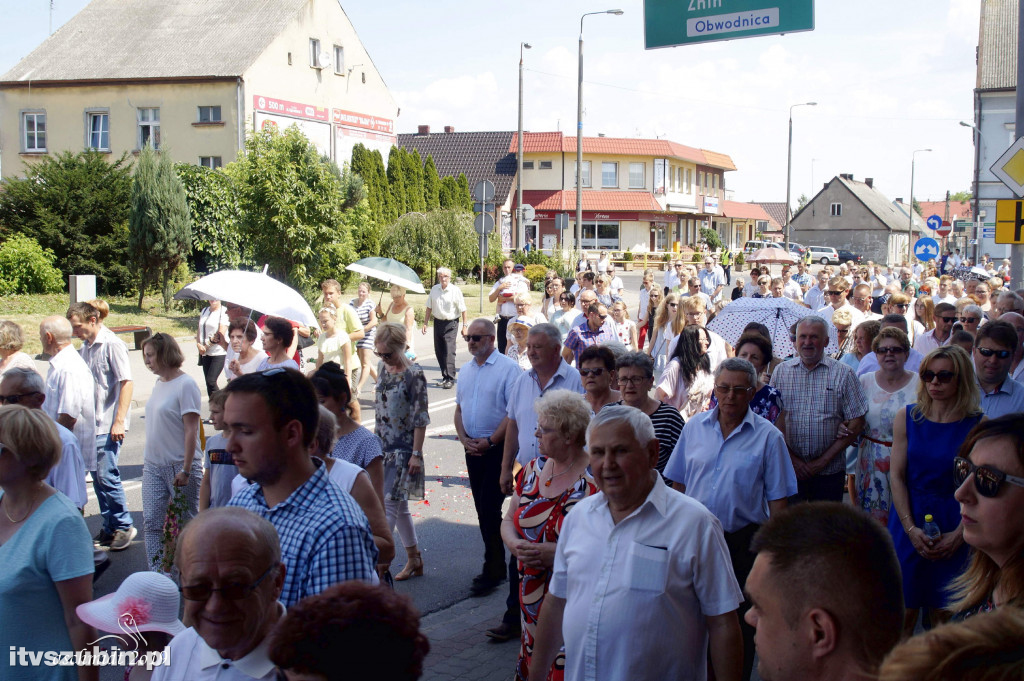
pixel 389 270
pixel 253 290
pixel 778 314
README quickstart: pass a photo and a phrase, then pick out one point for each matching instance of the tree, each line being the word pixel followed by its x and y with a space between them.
pixel 397 181
pixel 414 179
pixel 917 207
pixel 370 167
pixel 76 204
pixel 160 230
pixel 431 184
pixel 291 211
pixel 802 201
pixel 440 237
pixel 217 243
pixel 961 196
pixel 27 267
pixel 710 237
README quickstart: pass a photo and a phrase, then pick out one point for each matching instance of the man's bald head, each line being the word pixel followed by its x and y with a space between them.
pixel 210 527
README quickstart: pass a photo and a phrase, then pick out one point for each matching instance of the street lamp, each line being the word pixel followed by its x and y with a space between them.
pixel 910 223
pixel 519 175
pixel 579 135
pixel 789 166
pixel 974 187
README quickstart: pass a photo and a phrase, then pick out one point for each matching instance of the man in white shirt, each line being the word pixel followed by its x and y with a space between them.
pixel 945 316
pixel 642 587
pixel 878 282
pixel 862 301
pixel 944 294
pixel 446 305
pixel 673 276
pixel 615 286
pixel 237 554
pixel 70 389
pixel 693 290
pixel 790 288
pixel 504 290
pixel 837 291
pixel 815 297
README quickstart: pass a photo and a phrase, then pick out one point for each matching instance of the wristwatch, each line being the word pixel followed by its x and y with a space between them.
pixel 490 442
pixel 418 454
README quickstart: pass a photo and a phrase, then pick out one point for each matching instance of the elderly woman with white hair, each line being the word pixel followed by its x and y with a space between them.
pixel 11 341
pixel 524 308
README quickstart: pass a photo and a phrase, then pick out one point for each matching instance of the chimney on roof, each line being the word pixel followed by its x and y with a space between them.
pixel 870 182
pixel 846 176
pixel 899 199
pixel 600 134
pixel 423 130
pixel 449 129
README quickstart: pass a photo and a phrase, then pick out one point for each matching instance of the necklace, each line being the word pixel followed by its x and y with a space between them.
pixel 27 513
pixel 555 475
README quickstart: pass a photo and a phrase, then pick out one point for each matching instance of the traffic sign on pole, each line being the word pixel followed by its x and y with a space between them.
pixel 926 248
pixel 934 222
pixel 483 223
pixel 944 230
pixel 483 191
pixel 1009 221
pixel 668 23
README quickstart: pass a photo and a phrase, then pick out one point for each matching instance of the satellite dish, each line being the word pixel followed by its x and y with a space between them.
pixel 323 60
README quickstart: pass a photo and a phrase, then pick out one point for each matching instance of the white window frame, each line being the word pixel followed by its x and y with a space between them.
pixel 700 181
pixel 615 171
pixel 714 182
pixel 339 60
pixel 90 116
pixel 210 110
pixel 633 165
pixel 153 124
pixel 688 181
pixel 314 53
pixel 836 210
pixel 679 178
pixel 211 162
pixel 36 115
pixel 585 177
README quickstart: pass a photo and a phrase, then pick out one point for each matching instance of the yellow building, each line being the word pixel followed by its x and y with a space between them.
pixel 192 77
pixel 638 194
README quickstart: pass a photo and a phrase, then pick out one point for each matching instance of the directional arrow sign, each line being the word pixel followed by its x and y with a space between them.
pixel 926 249
pixel 934 222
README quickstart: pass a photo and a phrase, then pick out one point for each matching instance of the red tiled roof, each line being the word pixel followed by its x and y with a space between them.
pixel 750 211
pixel 534 142
pixel 776 212
pixel 958 210
pixel 604 201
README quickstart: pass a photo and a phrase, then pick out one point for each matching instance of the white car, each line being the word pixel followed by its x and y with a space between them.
pixel 824 254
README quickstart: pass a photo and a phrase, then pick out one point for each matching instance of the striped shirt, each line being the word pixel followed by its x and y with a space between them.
pixel 816 401
pixel 668 424
pixel 325 537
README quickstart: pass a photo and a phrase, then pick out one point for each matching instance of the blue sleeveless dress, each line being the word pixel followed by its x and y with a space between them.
pixel 931 448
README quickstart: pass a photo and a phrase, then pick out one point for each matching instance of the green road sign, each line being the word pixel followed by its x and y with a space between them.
pixel 679 22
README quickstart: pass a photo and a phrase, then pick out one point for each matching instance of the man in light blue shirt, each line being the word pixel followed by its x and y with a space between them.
pixel 993 357
pixel 481 399
pixel 712 280
pixel 735 463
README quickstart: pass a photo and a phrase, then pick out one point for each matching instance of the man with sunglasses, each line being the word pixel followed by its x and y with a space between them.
pixel 836 293
pixel 232 577
pixel 994 347
pixel 271 419
pixel 1016 320
pixel 596 329
pixel 945 317
pixel 862 300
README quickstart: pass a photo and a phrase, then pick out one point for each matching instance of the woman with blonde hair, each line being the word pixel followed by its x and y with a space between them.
pixel 842 319
pixel 400 311
pixel 45 550
pixel 668 324
pixel 402 418
pixel 925 441
pixel 924 312
pixel 11 341
pixel 624 326
pixel 902 304
pixel 763 284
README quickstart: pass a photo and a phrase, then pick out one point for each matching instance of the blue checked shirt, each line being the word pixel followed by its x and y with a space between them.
pixel 325 537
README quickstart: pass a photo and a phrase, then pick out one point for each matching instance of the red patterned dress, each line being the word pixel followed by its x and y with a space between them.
pixel 539 519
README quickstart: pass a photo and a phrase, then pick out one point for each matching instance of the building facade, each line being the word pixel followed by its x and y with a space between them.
pixel 193 78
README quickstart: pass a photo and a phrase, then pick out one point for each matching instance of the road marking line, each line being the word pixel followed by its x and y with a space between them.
pixel 437 406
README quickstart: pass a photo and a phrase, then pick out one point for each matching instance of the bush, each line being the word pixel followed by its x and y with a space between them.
pixel 27 267
pixel 628 256
pixel 667 257
pixel 740 259
pixel 535 273
pixel 697 257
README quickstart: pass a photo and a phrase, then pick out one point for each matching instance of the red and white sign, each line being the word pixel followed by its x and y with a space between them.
pixel 283 107
pixel 353 119
pixel 945 229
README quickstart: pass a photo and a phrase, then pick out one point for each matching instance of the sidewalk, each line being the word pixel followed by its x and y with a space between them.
pixel 459 649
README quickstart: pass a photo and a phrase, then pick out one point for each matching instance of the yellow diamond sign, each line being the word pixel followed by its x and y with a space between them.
pixel 1010 167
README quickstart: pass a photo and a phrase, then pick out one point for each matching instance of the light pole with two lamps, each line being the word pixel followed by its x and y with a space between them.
pixel 789 166
pixel 579 137
pixel 910 211
pixel 974 187
pixel 520 228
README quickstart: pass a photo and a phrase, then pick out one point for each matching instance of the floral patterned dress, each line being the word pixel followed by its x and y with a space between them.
pixel 539 519
pixel 400 407
pixel 876 444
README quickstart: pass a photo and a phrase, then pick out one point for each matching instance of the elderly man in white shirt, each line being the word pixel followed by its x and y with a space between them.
pixel 70 388
pixel 815 297
pixel 643 586
pixel 446 305
pixel 790 288
pixel 237 554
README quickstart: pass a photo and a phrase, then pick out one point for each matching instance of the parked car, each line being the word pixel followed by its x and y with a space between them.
pixel 850 256
pixel 757 245
pixel 796 249
pixel 826 255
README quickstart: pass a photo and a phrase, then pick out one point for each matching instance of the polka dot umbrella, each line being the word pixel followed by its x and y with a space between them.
pixel 778 314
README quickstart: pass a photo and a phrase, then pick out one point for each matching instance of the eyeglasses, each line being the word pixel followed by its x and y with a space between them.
pixel 895 350
pixel 901 305
pixel 634 380
pixel 543 431
pixel 860 299
pixel 734 389
pixel 15 399
pixel 943 376
pixel 834 293
pixel 988 352
pixel 838 330
pixel 596 371
pixel 602 316
pixel 384 355
pixel 969 320
pixel 231 592
pixel 987 480
pixel 673 304
pixel 947 320
pixel 477 337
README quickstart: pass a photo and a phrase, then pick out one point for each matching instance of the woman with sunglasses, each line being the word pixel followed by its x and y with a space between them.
pixel 567 316
pixel 401 424
pixel 969 315
pixel 926 438
pixel 990 478
pixel 687 383
pixel 901 304
pixel 888 390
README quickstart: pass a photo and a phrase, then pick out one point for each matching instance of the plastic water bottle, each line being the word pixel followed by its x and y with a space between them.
pixel 931 530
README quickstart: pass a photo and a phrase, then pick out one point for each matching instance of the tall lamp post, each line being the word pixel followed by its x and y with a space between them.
pixel 579 135
pixel 975 130
pixel 910 223
pixel 789 166
pixel 519 175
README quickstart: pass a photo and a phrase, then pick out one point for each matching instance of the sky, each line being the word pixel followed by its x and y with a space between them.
pixel 888 78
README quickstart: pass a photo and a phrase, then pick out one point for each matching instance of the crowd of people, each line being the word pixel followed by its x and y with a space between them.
pixel 681 505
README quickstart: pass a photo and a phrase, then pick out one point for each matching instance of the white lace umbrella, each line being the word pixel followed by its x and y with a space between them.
pixel 778 314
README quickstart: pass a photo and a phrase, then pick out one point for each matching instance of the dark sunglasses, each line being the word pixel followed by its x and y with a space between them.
pixel 477 337
pixel 987 480
pixel 384 355
pixel 833 293
pixel 902 305
pixel 988 352
pixel 597 371
pixel 602 316
pixel 969 320
pixel 947 320
pixel 231 592
pixel 943 376
pixel 893 351
pixel 15 399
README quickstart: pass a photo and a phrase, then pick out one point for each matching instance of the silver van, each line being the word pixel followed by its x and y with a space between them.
pixel 824 254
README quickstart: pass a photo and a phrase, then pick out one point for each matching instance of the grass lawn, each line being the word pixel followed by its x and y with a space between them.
pixel 183 317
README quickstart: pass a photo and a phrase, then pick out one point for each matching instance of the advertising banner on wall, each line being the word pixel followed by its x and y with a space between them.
pixel 352 128
pixel 313 121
